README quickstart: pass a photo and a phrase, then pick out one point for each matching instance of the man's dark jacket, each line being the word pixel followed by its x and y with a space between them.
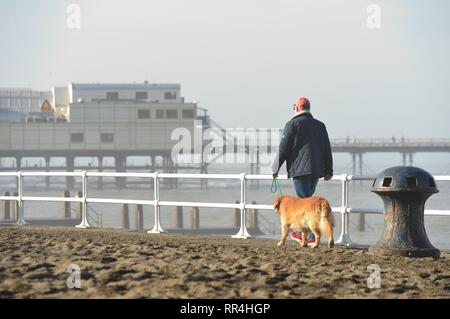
pixel 305 147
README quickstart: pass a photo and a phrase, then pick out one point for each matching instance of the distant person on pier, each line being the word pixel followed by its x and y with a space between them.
pixel 306 149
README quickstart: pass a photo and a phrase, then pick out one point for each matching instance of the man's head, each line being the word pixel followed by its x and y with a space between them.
pixel 302 104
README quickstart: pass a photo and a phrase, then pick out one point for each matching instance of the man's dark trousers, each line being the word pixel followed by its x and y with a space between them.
pixel 305 185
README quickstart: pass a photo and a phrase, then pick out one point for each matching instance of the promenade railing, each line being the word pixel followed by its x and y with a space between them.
pixel 344 210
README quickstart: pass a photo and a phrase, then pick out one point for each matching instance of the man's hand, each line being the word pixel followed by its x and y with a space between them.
pixel 328 177
pixel 275 175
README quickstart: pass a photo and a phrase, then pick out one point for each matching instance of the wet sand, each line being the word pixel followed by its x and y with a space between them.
pixel 124 264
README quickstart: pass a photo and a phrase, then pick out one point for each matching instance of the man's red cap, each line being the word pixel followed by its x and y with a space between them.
pixel 303 103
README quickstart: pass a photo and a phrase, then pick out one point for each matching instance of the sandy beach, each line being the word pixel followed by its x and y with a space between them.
pixel 124 264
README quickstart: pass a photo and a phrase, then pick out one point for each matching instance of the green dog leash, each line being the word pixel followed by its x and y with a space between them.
pixel 276 187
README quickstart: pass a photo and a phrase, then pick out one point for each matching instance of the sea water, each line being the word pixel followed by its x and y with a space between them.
pixel 228 191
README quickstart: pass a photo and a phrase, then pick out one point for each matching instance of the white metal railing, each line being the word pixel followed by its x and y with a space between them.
pixel 344 209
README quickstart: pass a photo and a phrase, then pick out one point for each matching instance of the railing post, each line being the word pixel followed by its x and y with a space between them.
pixel 84 221
pixel 243 232
pixel 157 226
pixel 344 238
pixel 20 217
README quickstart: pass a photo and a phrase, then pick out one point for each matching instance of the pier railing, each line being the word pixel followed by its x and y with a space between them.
pixel 344 210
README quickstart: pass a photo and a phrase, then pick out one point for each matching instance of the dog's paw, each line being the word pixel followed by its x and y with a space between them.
pixel 280 244
pixel 314 246
pixel 331 244
pixel 304 244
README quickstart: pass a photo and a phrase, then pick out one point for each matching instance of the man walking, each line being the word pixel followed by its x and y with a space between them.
pixel 305 147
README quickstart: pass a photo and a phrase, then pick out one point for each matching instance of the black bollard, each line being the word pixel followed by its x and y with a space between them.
pixel 404 190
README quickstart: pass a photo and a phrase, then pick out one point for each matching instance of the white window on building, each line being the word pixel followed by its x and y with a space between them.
pixel 141 96
pixel 107 137
pixel 112 95
pixel 159 114
pixel 188 114
pixel 171 114
pixel 77 137
pixel 143 114
pixel 170 95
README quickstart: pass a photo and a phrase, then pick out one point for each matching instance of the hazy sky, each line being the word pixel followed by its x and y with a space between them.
pixel 247 61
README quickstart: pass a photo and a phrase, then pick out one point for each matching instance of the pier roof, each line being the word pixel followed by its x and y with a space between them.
pixel 125 86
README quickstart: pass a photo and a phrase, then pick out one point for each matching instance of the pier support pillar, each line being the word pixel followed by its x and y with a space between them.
pixel 410 157
pixel 125 217
pixel 18 163
pixel 178 217
pixel 47 169
pixel 168 168
pixel 360 159
pixel 15 208
pixel 203 181
pixel 100 169
pixel 18 168
pixel 121 161
pixel 253 217
pixel 66 205
pixel 354 164
pixel 139 217
pixel 79 207
pixel 70 180
pixel 176 179
pixel 153 163
pixel 236 216
pixel 195 218
pixel 6 208
pixel 258 167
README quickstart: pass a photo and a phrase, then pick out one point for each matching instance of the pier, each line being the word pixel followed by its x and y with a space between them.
pixel 160 160
pixel 357 147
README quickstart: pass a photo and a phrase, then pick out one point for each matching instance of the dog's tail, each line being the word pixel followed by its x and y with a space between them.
pixel 325 212
pixel 277 203
pixel 326 223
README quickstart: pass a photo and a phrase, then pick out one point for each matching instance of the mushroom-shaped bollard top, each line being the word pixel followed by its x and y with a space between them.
pixel 404 179
pixel 404 190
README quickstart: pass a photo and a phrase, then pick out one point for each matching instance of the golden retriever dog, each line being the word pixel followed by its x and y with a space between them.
pixel 301 214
